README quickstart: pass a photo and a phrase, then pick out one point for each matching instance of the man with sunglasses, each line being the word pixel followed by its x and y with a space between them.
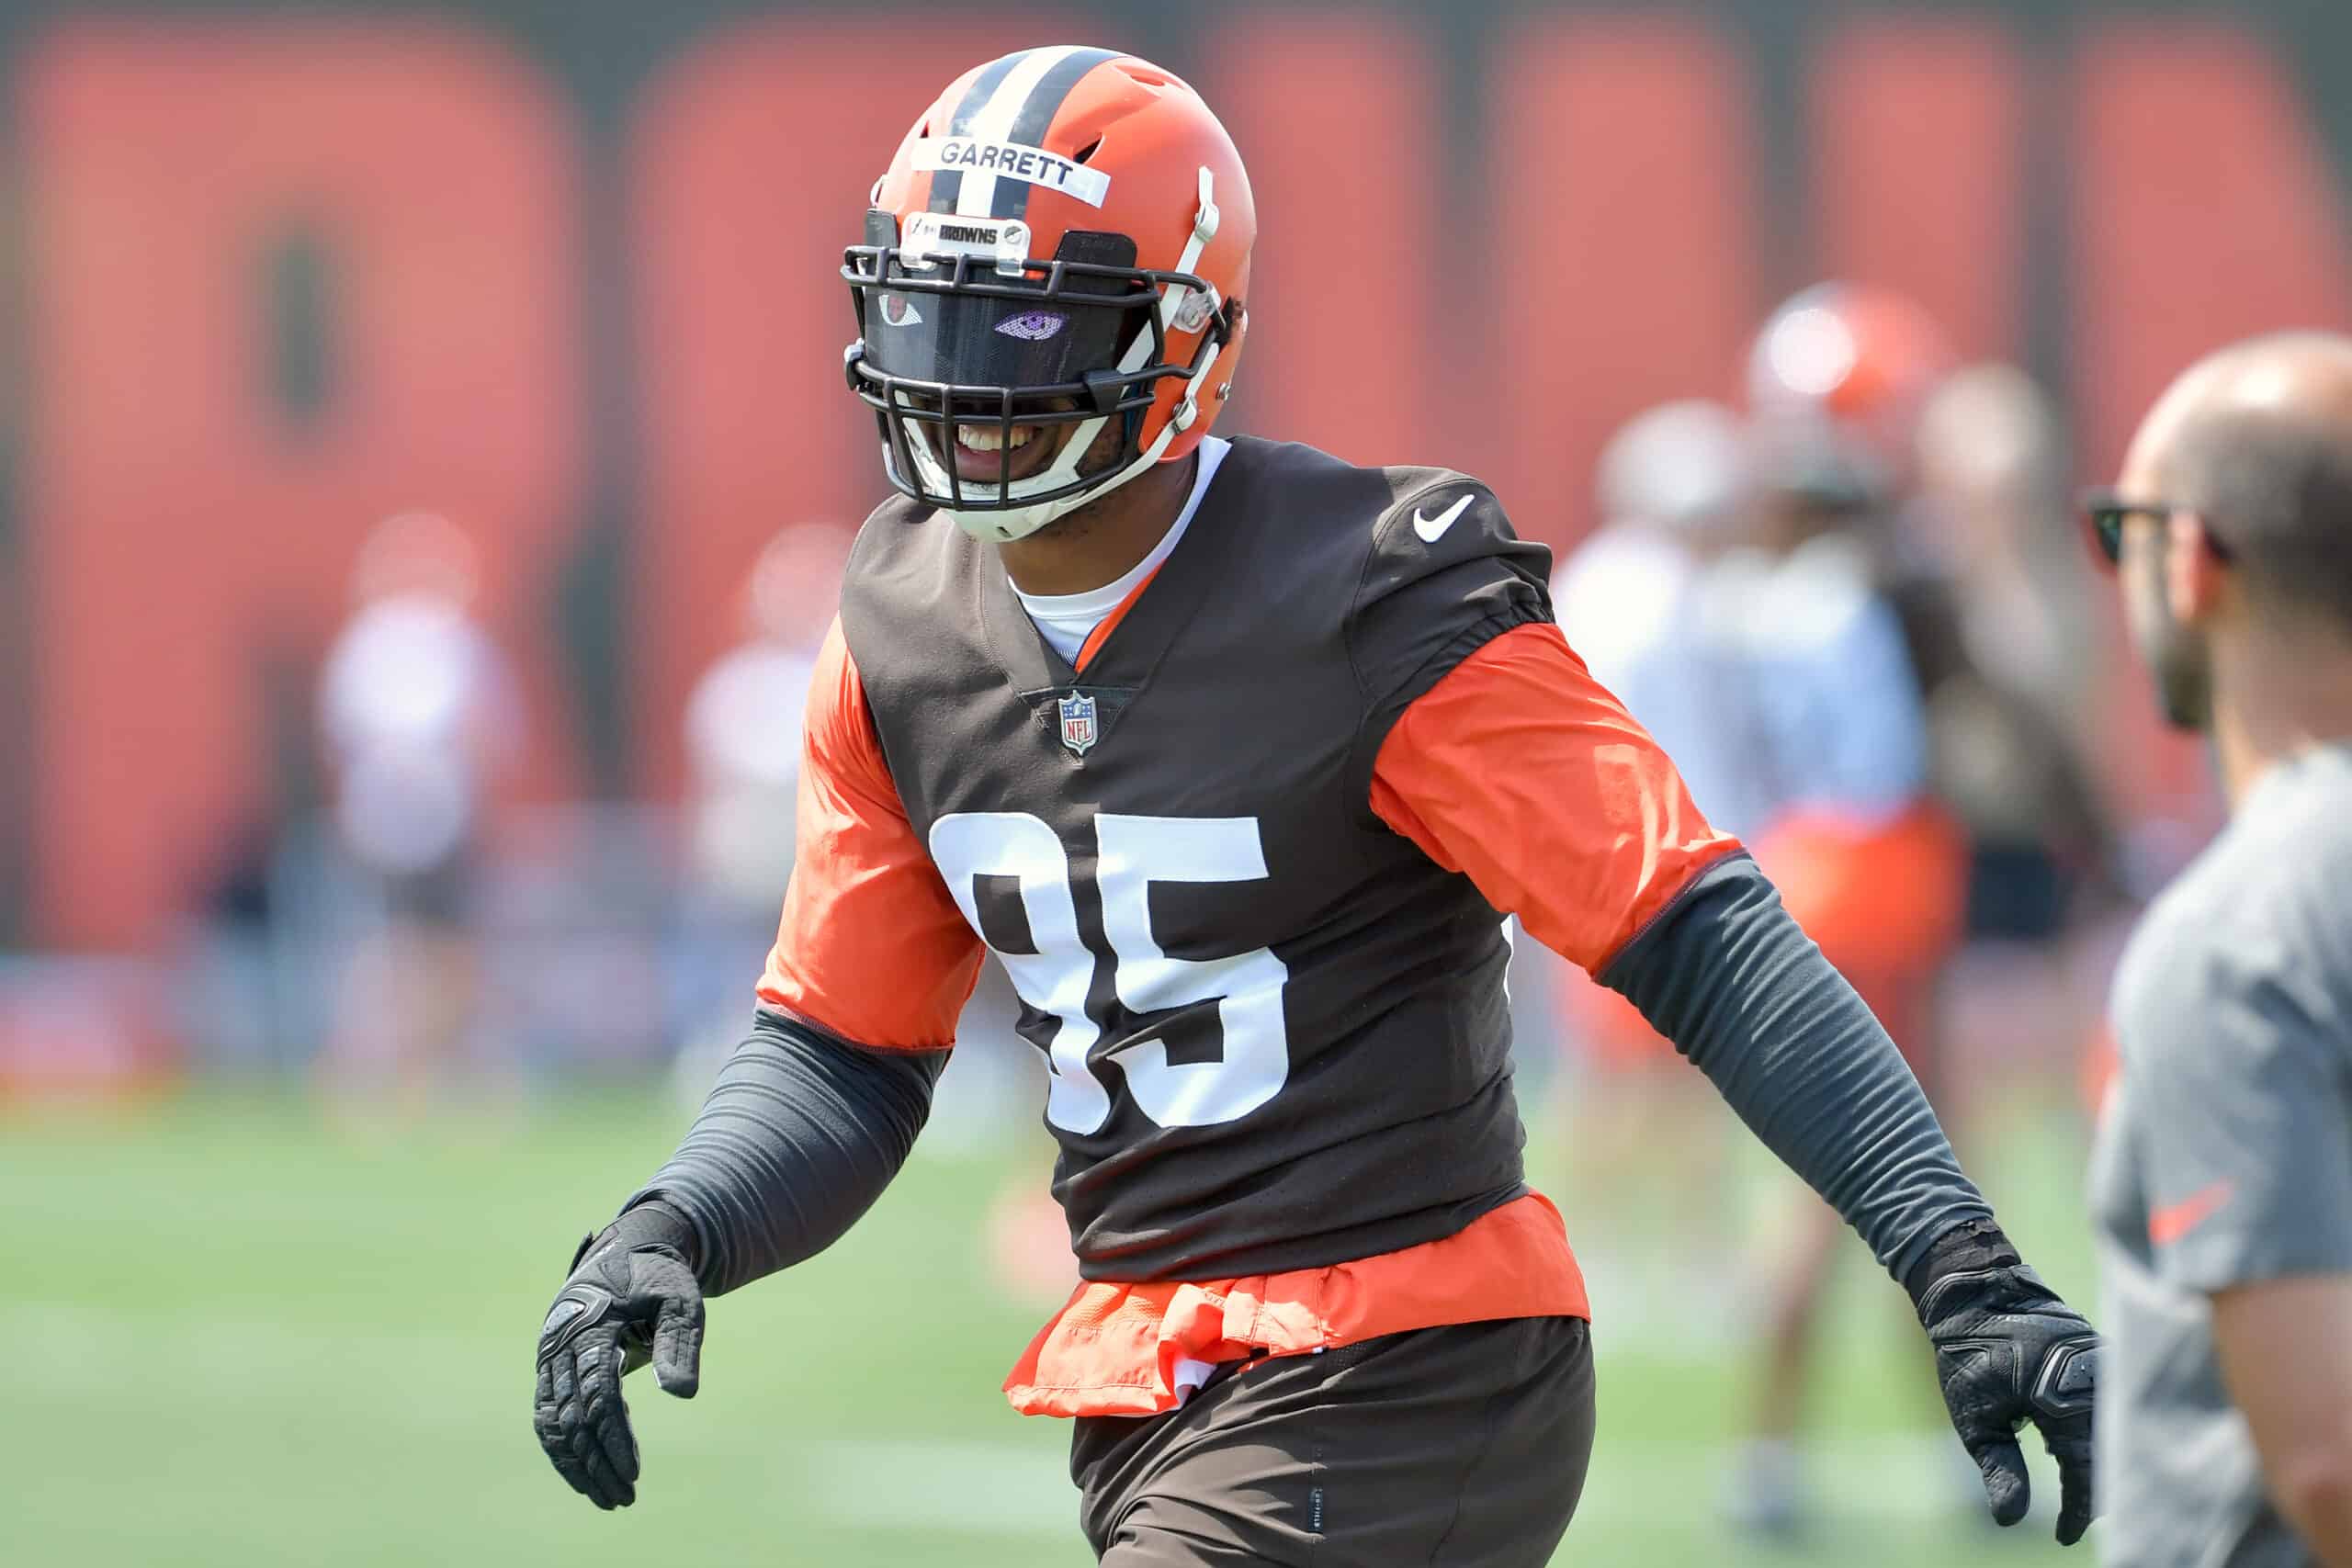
pixel 2223 1176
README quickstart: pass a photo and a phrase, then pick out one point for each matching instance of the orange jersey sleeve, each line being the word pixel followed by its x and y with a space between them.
pixel 1522 771
pixel 872 945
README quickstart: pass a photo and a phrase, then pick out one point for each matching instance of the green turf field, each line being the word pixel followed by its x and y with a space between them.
pixel 242 1337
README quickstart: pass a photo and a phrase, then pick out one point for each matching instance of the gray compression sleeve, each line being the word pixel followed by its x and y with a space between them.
pixel 798 1137
pixel 1726 974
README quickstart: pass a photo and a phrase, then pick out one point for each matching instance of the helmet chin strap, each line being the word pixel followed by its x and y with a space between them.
pixel 1006 524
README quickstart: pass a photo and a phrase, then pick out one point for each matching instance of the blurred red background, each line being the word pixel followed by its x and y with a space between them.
pixel 566 274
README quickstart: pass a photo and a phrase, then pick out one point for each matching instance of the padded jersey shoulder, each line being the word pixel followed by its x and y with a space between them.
pixel 1412 559
pixel 1403 520
pixel 1401 573
pixel 1446 573
pixel 910 584
pixel 897 536
pixel 1403 570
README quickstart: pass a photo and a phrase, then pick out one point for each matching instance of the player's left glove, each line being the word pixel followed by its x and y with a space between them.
pixel 2009 1351
pixel 631 1297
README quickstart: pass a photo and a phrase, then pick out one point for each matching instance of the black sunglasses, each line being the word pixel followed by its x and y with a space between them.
pixel 2105 511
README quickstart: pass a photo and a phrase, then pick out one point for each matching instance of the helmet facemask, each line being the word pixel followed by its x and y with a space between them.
pixel 959 328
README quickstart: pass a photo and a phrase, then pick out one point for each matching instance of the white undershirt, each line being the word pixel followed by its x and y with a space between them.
pixel 1066 620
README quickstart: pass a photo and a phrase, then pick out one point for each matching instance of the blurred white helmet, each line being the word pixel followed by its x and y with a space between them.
pixel 1682 467
pixel 1988 428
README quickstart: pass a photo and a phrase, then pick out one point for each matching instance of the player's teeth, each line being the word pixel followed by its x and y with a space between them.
pixel 991 437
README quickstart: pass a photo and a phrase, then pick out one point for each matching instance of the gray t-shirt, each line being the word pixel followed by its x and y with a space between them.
pixel 2224 1156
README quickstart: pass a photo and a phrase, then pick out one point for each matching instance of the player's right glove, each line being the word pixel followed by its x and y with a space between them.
pixel 631 1297
pixel 2009 1351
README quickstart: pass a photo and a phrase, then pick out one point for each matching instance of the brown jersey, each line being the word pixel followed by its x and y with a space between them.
pixel 1277 1031
pixel 1262 969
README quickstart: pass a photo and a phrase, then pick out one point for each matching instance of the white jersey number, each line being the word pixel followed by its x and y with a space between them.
pixel 1135 851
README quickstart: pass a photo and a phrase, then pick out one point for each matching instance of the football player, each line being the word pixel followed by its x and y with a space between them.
pixel 421 718
pixel 1237 756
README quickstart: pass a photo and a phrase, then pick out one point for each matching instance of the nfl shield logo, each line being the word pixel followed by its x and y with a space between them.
pixel 1078 724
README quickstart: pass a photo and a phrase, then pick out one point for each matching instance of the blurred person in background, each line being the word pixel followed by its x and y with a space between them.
pixel 418 715
pixel 1637 600
pixel 742 750
pixel 2221 1187
pixel 743 723
pixel 2011 725
pixel 1837 651
pixel 1674 493
pixel 1991 508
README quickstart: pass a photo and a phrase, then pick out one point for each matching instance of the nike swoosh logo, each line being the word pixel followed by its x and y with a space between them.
pixel 2174 1220
pixel 1432 529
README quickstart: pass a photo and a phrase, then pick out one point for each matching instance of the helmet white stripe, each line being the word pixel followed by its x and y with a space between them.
pixel 1172 299
pixel 977 196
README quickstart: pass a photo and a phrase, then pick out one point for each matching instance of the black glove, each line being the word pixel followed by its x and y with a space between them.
pixel 2009 1351
pixel 631 1297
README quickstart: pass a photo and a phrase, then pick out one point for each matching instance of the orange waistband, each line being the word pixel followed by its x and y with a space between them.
pixel 1117 1349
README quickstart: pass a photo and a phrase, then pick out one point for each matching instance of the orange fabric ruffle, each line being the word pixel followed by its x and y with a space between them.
pixel 1123 1350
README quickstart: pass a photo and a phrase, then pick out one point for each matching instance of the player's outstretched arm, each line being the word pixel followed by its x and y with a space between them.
pixel 1514 766
pixel 798 1137
pixel 810 1118
pixel 796 1141
pixel 1728 976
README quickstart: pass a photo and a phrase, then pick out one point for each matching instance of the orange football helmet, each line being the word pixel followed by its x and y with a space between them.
pixel 1062 239
pixel 1846 370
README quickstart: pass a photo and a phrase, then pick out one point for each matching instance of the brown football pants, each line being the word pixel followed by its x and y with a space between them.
pixel 1463 1447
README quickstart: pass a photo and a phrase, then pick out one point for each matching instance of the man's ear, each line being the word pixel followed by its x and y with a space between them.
pixel 2193 572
